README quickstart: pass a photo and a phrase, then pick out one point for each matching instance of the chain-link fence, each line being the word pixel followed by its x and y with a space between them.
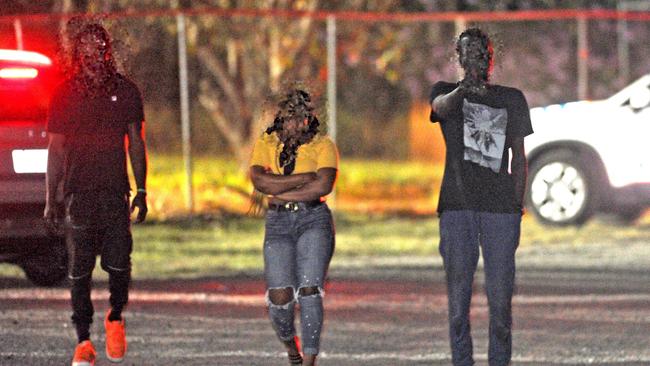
pixel 385 65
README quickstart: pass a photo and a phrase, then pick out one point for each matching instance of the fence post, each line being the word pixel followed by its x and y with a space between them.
pixel 331 84
pixel 622 40
pixel 622 46
pixel 185 111
pixel 18 29
pixel 583 58
pixel 331 75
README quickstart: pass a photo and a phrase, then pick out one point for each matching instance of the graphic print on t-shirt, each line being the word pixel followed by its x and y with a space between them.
pixel 484 134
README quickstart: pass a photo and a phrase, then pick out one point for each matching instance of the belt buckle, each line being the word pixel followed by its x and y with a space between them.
pixel 291 206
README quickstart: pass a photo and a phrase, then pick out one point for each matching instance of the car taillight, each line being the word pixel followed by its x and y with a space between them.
pixel 18 73
pixel 25 56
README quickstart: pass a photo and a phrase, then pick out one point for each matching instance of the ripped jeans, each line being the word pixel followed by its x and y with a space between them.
pixel 298 247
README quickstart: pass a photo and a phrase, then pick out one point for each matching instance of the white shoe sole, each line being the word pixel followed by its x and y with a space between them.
pixel 114 360
pixel 82 364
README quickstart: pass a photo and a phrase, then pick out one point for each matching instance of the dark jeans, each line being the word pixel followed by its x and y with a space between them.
pixel 497 234
pixel 298 247
pixel 98 223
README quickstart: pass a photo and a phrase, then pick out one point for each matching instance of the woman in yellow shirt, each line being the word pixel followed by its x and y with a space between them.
pixel 295 164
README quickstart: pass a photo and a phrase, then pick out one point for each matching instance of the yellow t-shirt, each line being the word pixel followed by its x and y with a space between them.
pixel 321 152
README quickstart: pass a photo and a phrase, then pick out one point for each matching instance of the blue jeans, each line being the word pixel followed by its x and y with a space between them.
pixel 298 247
pixel 461 234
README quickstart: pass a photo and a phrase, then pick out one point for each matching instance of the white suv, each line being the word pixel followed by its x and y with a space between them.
pixel 591 156
pixel 26 81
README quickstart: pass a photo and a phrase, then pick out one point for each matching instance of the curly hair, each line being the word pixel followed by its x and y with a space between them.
pixel 296 105
pixel 485 49
pixel 105 81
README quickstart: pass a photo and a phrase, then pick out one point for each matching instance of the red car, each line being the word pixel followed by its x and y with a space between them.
pixel 26 81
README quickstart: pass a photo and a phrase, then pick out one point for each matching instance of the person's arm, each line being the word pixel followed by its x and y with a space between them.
pixel 444 104
pixel 275 184
pixel 519 169
pixel 138 157
pixel 53 177
pixel 522 128
pixel 314 190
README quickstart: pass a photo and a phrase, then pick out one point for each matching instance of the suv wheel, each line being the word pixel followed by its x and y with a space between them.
pixel 48 265
pixel 560 190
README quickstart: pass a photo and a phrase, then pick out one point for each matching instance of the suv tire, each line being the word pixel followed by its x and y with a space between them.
pixel 49 266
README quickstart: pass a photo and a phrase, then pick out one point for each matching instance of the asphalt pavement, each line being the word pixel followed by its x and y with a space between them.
pixel 574 305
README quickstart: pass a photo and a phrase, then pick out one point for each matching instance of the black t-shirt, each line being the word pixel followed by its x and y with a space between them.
pixel 95 129
pixel 478 135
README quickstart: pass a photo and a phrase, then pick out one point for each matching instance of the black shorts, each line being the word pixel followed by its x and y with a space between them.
pixel 98 223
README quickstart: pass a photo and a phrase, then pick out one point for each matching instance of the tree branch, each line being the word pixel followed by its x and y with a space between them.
pixel 217 69
pixel 210 101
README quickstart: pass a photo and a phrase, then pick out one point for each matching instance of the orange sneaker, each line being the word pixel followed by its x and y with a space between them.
pixel 84 354
pixel 115 339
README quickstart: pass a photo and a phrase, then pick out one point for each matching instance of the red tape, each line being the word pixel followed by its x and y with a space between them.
pixel 524 15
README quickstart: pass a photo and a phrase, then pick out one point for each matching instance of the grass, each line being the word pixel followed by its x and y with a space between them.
pixel 226 246
pixel 601 229
pixel 363 186
pixel 219 185
pixel 369 193
pixel 235 245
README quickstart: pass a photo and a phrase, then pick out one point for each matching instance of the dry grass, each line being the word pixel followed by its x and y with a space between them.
pixel 363 186
pixel 199 247
pixel 368 195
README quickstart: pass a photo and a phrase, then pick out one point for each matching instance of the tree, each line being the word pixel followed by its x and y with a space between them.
pixel 11 7
pixel 244 60
pixel 236 63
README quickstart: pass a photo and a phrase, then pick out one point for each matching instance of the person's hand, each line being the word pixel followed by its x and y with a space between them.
pixel 140 202
pixel 52 217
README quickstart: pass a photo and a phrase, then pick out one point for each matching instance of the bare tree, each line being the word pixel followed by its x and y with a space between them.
pixel 245 60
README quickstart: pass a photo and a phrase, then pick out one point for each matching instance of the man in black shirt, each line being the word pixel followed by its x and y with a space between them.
pixel 90 115
pixel 482 193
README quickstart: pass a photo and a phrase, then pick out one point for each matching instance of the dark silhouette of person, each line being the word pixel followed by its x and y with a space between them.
pixel 90 115
pixel 481 197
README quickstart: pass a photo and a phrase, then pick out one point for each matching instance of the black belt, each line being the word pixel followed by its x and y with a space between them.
pixel 294 206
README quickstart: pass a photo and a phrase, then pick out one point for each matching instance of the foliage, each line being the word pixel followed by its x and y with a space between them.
pixel 384 68
pixel 227 246
pixel 221 188
pixel 29 6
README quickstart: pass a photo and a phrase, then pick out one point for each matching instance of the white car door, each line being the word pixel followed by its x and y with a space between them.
pixel 628 155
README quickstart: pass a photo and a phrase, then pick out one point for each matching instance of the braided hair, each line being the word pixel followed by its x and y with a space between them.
pixel 296 105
